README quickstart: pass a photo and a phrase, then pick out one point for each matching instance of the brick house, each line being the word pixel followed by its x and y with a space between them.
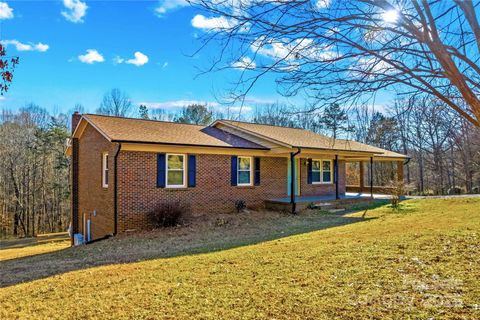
pixel 122 168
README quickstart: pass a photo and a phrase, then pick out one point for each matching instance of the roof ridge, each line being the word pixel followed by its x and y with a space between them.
pixel 141 119
pixel 263 124
pixel 277 126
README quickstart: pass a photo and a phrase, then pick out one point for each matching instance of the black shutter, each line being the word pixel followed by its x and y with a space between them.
pixel 257 171
pixel 309 175
pixel 192 170
pixel 234 170
pixel 161 170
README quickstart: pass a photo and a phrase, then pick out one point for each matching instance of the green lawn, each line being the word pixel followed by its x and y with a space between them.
pixel 420 262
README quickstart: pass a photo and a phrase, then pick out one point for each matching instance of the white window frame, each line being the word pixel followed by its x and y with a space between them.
pixel 250 172
pixel 321 171
pixel 105 170
pixel 331 171
pixel 183 171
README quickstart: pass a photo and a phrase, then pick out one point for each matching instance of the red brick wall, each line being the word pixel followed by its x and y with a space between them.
pixel 91 195
pixel 321 189
pixel 138 194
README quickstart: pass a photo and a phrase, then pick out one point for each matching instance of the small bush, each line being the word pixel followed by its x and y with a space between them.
pixel 240 205
pixel 397 190
pixel 455 190
pixel 476 190
pixel 167 214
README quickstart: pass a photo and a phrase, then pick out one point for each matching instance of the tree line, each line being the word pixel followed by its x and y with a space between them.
pixel 34 180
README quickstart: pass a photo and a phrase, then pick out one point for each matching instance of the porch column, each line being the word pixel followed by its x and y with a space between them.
pixel 362 175
pixel 371 177
pixel 400 171
pixel 292 180
pixel 336 177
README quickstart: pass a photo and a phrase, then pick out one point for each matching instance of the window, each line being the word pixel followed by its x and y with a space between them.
pixel 244 171
pixel 326 171
pixel 105 170
pixel 175 170
pixel 321 171
pixel 316 171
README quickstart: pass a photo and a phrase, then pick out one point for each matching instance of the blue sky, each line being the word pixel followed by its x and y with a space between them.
pixel 50 37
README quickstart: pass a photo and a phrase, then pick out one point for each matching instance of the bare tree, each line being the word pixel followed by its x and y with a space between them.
pixel 116 103
pixel 346 51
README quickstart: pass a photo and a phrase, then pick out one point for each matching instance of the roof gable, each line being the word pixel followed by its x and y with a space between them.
pixel 117 129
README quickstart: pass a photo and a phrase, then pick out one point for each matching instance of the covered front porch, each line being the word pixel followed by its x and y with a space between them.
pixel 354 178
pixel 302 202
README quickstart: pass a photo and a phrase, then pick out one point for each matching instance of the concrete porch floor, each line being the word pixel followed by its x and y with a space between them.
pixel 347 196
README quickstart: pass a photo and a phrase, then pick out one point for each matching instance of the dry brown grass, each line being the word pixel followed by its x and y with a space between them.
pixel 421 261
pixel 45 243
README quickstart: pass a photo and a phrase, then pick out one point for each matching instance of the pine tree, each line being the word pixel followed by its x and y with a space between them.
pixel 335 120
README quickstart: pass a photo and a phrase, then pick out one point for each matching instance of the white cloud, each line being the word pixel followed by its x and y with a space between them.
pixel 167 5
pixel 214 23
pixel 139 60
pixel 41 47
pixel 322 4
pixel 164 65
pixel 176 104
pixel 5 11
pixel 293 51
pixel 370 68
pixel 244 63
pixel 234 109
pixel 76 10
pixel 91 56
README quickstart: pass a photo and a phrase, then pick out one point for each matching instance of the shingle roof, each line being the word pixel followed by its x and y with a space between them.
pixel 307 139
pixel 151 131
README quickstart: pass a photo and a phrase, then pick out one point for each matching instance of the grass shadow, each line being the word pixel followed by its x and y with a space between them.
pixel 175 242
pixel 33 241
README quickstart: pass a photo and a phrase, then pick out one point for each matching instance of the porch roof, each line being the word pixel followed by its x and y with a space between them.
pixel 301 138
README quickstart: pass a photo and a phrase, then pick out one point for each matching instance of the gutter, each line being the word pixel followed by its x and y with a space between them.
pixel 188 144
pixel 292 180
pixel 115 190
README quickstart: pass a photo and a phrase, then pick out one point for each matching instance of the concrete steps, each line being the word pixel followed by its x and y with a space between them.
pixel 333 206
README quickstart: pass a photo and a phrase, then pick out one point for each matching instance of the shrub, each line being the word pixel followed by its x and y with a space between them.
pixel 167 214
pixel 476 190
pixel 455 190
pixel 240 205
pixel 397 190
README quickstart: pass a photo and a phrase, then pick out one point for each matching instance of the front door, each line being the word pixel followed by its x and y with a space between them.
pixel 297 177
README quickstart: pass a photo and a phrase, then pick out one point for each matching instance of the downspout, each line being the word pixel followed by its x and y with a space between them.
pixel 336 177
pixel 292 180
pixel 371 177
pixel 115 191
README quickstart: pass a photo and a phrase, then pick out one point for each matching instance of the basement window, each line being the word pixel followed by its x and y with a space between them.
pixel 105 170
pixel 175 171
